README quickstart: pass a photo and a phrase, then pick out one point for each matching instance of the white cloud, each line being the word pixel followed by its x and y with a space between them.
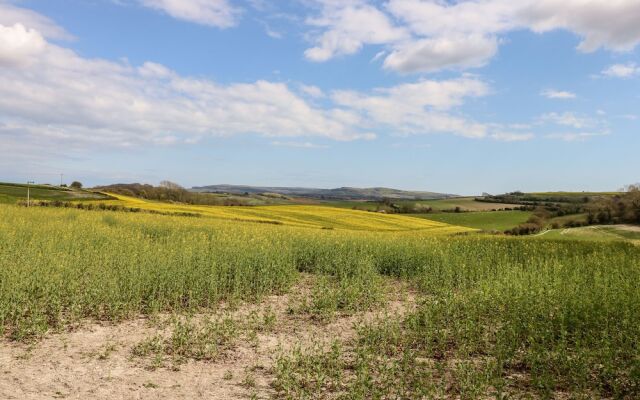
pixel 378 56
pixel 19 45
pixel 153 70
pixel 218 13
pixel 557 94
pixel 442 95
pixel 568 119
pixel 622 70
pixel 611 24
pixel 273 33
pixel 60 96
pixel 433 18
pixel 585 127
pixel 348 25
pixel 429 35
pixel 519 126
pixel 428 55
pixel 53 98
pixel 418 108
pixel 299 145
pixel 576 136
pixel 589 19
pixel 311 90
pixel 11 15
pixel 401 145
pixel 512 137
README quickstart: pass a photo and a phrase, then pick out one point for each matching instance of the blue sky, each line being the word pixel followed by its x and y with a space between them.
pixel 450 96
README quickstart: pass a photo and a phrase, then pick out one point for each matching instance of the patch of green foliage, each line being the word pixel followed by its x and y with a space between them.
pixel 206 340
pixel 518 324
pixel 348 286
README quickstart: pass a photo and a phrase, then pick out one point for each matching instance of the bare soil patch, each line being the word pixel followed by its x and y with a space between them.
pixel 96 361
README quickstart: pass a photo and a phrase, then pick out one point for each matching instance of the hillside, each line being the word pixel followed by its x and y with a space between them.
pixel 11 193
pixel 343 193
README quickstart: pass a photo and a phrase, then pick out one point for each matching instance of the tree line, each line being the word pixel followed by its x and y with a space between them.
pixel 169 191
pixel 623 208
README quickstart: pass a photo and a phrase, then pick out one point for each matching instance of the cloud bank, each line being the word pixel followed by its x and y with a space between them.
pixel 430 35
pixel 51 95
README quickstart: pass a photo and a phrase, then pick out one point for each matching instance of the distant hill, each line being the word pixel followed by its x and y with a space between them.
pixel 343 193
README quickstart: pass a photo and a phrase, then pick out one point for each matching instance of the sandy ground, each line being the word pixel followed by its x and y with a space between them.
pixel 96 360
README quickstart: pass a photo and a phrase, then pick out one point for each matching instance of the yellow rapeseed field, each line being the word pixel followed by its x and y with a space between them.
pixel 307 216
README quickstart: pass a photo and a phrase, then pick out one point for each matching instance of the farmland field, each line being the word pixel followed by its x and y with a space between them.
pixel 319 200
pixel 12 193
pixel 293 311
pixel 294 215
pixel 464 203
pixel 487 221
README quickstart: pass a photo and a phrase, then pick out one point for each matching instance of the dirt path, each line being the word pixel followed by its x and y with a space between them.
pixel 96 361
pixel 631 228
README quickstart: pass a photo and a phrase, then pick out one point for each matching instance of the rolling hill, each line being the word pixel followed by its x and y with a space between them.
pixel 343 193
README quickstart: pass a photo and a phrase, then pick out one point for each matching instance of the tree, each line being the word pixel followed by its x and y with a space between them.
pixel 171 185
pixel 76 185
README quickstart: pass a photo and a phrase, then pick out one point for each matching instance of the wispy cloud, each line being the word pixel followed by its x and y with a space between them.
pixel 512 136
pixel 568 119
pixel 311 90
pixel 557 94
pixel 628 70
pixel 418 108
pixel 299 145
pixel 576 136
pixel 218 13
pixel 402 145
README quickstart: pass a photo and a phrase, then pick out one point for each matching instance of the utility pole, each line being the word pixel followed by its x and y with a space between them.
pixel 28 192
pixel 61 179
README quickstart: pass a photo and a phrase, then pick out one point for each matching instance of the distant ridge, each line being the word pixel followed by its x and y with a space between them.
pixel 343 193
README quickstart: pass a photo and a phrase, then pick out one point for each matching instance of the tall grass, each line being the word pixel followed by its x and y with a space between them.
pixel 57 266
pixel 498 314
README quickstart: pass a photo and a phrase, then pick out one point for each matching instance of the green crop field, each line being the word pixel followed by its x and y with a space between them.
pixel 593 233
pixel 11 193
pixel 464 203
pixel 484 316
pixel 486 221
